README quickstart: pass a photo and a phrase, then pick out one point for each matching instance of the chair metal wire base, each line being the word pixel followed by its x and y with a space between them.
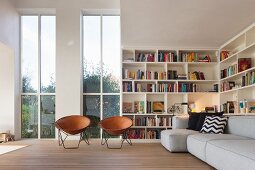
pixel 106 137
pixel 61 140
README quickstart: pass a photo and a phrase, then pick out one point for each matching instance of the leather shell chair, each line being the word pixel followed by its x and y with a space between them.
pixel 115 126
pixel 72 125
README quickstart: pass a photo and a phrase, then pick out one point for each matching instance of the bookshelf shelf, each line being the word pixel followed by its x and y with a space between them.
pixel 157 79
pixel 239 87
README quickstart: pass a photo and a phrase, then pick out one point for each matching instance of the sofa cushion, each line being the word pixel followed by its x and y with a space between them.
pixel 202 117
pixel 176 140
pixel 193 119
pixel 242 125
pixel 231 154
pixel 196 143
pixel 214 124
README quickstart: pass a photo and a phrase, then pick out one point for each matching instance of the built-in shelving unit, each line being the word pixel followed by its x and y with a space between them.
pixel 239 84
pixel 166 77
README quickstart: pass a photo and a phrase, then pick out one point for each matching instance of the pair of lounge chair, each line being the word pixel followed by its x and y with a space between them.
pixel 76 124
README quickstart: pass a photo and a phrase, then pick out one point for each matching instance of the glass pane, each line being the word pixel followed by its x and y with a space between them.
pixel 48 53
pixel 29 116
pixel 111 105
pixel 92 48
pixel 91 109
pixel 29 53
pixel 111 54
pixel 47 116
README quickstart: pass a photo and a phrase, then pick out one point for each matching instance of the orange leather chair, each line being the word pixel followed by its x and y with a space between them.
pixel 72 125
pixel 115 126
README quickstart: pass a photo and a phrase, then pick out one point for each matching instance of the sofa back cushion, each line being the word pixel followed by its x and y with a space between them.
pixel 242 126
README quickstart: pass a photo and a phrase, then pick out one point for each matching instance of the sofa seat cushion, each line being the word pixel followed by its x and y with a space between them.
pixel 176 140
pixel 196 143
pixel 231 154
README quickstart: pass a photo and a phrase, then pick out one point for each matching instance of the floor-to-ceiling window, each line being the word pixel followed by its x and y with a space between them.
pixel 38 48
pixel 101 63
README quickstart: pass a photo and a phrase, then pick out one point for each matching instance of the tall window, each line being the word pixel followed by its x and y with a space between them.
pixel 101 78
pixel 38 48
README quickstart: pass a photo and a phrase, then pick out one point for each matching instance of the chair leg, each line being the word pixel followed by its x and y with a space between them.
pixel 83 137
pixel 62 141
pixel 106 138
pixel 125 136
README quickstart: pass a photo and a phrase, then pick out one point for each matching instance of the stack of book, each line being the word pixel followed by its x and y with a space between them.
pixel 166 57
pixel 231 70
pixel 197 75
pixel 136 75
pixel 167 87
pixel 145 57
pixel 141 121
pixel 182 77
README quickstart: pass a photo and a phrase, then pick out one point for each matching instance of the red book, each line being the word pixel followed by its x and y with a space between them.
pixel 244 64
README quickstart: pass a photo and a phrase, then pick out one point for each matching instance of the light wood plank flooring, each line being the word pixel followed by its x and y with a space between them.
pixel 46 155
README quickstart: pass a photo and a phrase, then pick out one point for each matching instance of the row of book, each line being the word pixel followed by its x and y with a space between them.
pixel 136 75
pixel 164 121
pixel 166 57
pixel 145 57
pixel 127 87
pixel 188 87
pixel 227 86
pixel 154 75
pixel 231 70
pixel 167 87
pixel 194 57
pixel 142 134
pixel 248 79
pixel 196 75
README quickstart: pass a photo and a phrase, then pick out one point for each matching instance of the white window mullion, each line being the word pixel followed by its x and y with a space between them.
pixel 101 68
pixel 39 77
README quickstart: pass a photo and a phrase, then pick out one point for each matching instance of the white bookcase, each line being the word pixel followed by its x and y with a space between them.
pixel 241 46
pixel 203 97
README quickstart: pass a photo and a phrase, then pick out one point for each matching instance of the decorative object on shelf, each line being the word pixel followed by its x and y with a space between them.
pixel 224 55
pixel 127 107
pixel 158 106
pixel 139 107
pixel 176 108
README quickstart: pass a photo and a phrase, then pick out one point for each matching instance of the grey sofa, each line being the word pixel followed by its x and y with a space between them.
pixel 233 150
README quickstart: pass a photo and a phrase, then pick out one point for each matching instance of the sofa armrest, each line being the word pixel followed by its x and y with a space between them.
pixel 180 122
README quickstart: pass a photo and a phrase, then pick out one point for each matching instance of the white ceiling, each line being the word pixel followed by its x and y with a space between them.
pixel 184 23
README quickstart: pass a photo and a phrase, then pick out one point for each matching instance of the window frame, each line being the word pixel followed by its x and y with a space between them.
pixel 38 94
pixel 101 94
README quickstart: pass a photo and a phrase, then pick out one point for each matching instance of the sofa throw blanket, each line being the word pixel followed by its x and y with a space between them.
pixel 214 124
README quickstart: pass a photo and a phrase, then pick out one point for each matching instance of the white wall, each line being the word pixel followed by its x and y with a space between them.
pixel 7 101
pixel 10 102
pixel 183 23
pixel 68 46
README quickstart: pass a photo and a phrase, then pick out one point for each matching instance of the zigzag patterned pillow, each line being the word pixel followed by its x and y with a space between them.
pixel 214 124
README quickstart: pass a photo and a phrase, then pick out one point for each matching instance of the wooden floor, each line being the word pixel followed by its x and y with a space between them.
pixel 46 155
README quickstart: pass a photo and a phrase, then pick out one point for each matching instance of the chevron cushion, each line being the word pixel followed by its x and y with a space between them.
pixel 214 124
